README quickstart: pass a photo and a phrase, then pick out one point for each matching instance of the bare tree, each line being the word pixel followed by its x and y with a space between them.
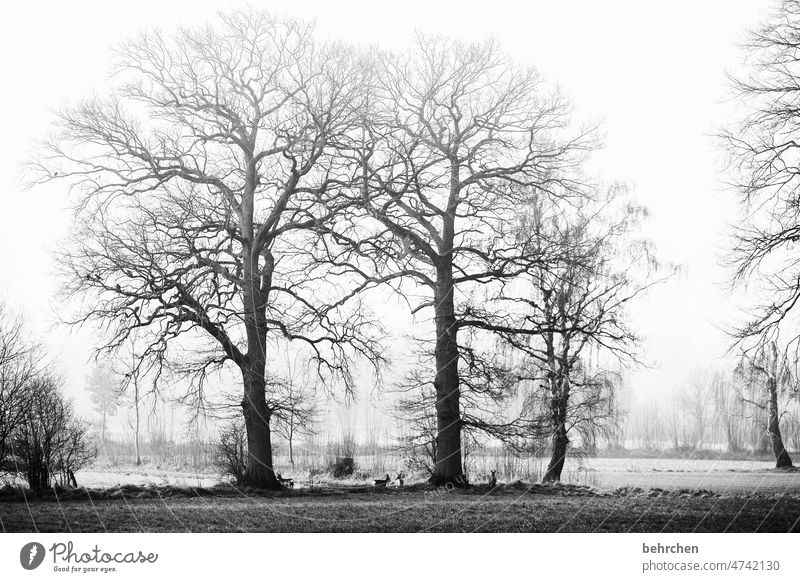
pixel 415 411
pixel 295 405
pixel 130 371
pixel 578 305
pixel 39 432
pixel 231 451
pixel 755 418
pixel 50 442
pixel 729 412
pixel 450 130
pixel 763 151
pixel 769 367
pixel 201 182
pixel 136 397
pixel 416 414
pixel 694 401
pixel 19 367
pixel 105 391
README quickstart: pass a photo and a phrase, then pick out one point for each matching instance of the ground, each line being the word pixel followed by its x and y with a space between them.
pixel 513 508
pixel 599 494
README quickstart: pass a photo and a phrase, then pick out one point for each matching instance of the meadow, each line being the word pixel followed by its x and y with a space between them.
pixel 192 464
pixel 179 488
pixel 513 508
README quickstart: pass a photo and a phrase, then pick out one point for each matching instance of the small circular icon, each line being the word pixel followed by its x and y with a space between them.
pixel 31 555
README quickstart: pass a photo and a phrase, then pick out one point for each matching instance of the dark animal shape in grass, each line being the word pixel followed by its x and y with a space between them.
pixel 288 482
pixel 383 482
pixel 493 480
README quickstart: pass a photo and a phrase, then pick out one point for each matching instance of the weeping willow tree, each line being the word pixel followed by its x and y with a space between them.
pixel 769 375
pixel 578 306
pixel 763 156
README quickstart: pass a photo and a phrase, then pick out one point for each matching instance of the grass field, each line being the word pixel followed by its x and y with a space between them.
pixel 517 508
pixel 717 475
pixel 638 494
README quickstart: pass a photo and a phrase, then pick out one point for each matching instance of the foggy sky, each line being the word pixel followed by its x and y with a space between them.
pixel 652 72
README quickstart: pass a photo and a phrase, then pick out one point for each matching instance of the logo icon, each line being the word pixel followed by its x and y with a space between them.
pixel 31 555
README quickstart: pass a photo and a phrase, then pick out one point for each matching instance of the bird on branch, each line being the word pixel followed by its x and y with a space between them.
pixel 407 249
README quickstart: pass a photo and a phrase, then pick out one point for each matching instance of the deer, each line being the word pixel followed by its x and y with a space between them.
pixel 493 480
pixel 383 482
pixel 288 482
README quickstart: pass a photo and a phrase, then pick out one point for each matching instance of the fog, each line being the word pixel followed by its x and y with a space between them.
pixel 652 72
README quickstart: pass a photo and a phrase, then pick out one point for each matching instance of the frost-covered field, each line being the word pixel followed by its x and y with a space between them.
pixel 720 476
pixel 102 478
pixel 620 497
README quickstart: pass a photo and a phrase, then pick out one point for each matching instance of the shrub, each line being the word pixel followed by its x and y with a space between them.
pixel 49 444
pixel 343 467
pixel 231 451
pixel 342 454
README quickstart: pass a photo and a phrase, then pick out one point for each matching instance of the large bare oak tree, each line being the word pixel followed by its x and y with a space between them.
pixel 451 132
pixel 201 182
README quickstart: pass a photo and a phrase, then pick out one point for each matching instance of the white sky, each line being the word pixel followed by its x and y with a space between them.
pixel 652 71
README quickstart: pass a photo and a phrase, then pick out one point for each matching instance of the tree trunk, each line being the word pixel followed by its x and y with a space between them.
pixel 291 448
pixel 136 428
pixel 558 411
pixel 136 439
pixel 730 437
pixel 758 441
pixel 255 291
pixel 782 458
pixel 448 468
pixel 38 472
pixel 259 472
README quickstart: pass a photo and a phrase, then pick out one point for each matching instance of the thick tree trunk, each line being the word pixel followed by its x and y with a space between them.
pixel 558 411
pixel 255 290
pixel 259 472
pixel 448 468
pixel 782 458
pixel 759 441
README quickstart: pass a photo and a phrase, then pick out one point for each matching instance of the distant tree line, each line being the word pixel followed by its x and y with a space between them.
pixel 751 408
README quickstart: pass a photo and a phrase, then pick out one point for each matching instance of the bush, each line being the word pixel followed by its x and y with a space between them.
pixel 341 456
pixel 19 365
pixel 49 443
pixel 343 467
pixel 231 451
pixel 40 436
